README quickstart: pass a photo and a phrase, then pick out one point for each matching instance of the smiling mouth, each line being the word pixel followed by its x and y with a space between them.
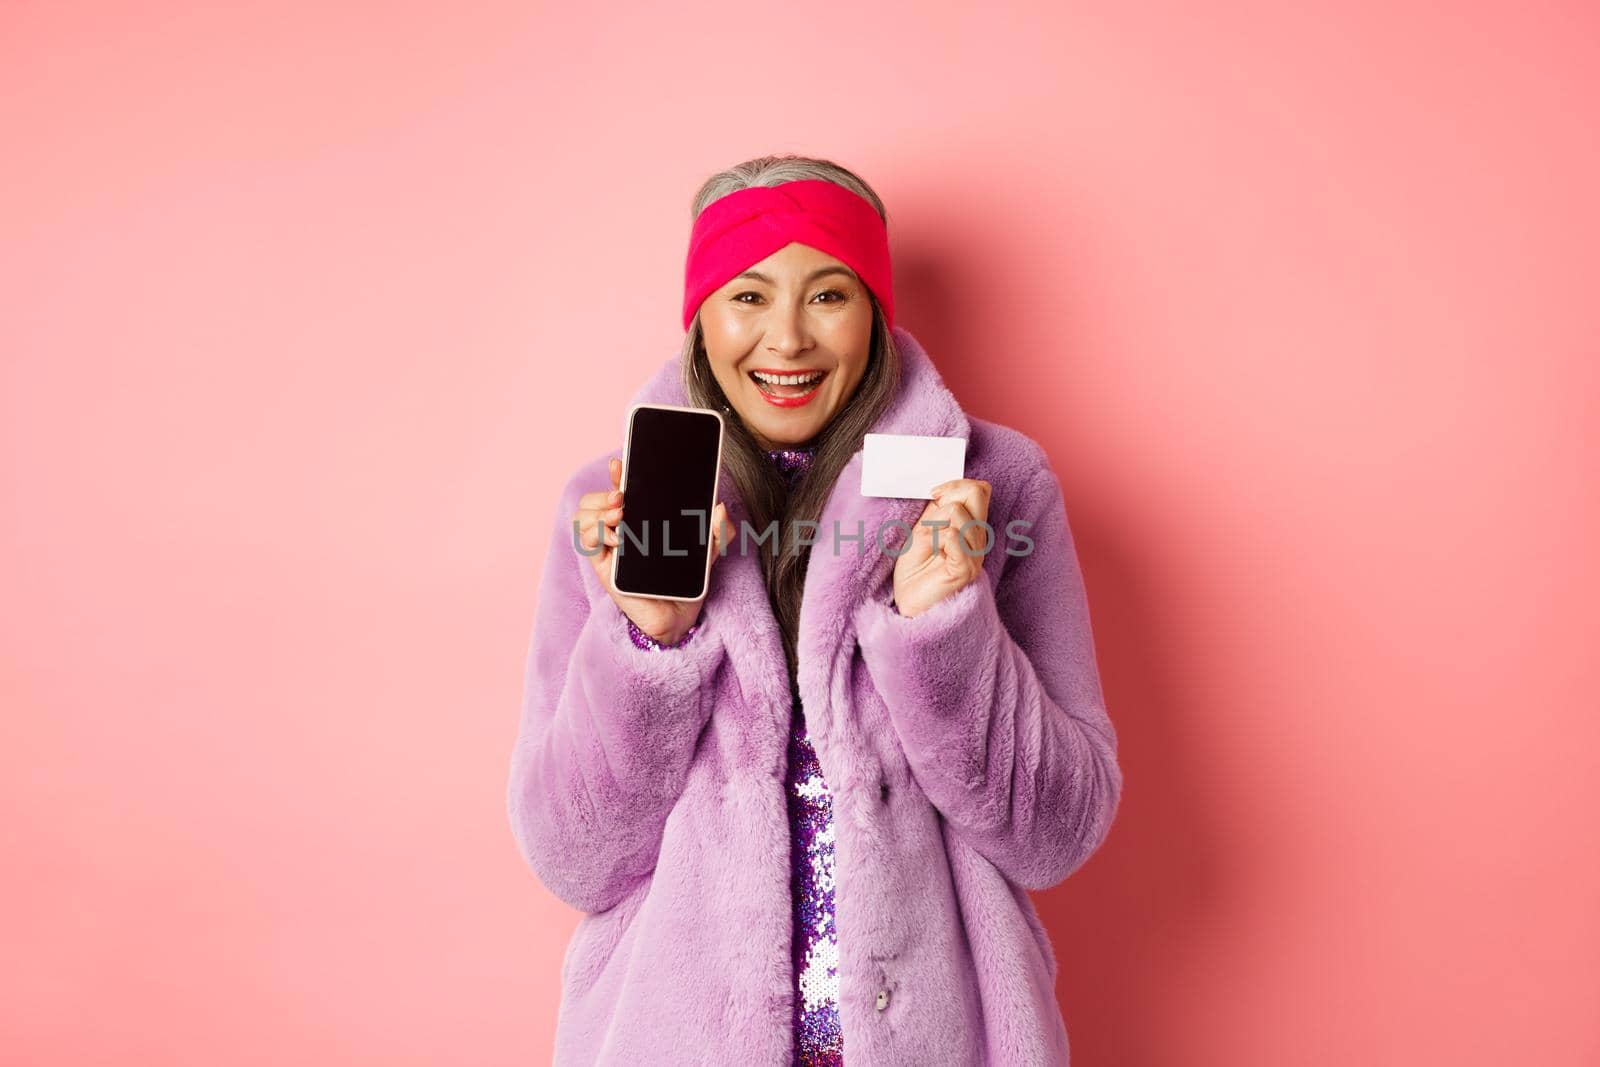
pixel 788 386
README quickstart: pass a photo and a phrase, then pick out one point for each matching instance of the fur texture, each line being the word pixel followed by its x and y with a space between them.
pixel 968 750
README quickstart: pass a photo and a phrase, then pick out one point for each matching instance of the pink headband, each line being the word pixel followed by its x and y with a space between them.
pixel 745 227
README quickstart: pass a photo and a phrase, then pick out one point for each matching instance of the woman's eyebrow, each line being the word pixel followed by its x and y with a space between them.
pixel 813 276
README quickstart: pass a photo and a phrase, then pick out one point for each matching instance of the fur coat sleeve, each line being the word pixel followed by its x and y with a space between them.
pixel 606 736
pixel 996 698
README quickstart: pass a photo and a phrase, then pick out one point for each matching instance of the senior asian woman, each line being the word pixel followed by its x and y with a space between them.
pixel 802 815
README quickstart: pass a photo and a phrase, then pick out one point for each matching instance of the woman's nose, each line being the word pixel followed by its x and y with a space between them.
pixel 787 332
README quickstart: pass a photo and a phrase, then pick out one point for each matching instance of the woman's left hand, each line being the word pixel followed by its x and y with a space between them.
pixel 923 575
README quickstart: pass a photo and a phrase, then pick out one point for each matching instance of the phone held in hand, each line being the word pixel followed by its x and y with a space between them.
pixel 671 463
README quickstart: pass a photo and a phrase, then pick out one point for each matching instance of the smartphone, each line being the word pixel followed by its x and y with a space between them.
pixel 671 462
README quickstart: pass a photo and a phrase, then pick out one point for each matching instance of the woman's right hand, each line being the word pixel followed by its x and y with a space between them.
pixel 666 621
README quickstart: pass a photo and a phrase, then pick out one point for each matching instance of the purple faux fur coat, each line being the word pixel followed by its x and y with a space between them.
pixel 968 751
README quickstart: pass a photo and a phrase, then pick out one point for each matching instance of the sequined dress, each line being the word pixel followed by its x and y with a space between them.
pixel 818 1039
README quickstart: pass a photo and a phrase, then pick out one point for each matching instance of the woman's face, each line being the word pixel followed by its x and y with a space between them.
pixel 797 312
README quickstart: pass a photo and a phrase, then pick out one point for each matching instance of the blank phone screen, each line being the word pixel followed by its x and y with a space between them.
pixel 669 488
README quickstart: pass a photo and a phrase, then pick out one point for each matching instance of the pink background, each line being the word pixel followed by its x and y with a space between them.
pixel 309 309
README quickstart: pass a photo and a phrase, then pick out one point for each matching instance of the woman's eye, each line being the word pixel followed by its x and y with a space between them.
pixel 739 298
pixel 835 292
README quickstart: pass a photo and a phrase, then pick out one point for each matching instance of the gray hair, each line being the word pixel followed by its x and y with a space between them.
pixel 762 487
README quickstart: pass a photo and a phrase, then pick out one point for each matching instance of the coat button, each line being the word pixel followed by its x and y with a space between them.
pixel 883 999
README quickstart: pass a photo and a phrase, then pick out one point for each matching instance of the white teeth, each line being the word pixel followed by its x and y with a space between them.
pixel 787 379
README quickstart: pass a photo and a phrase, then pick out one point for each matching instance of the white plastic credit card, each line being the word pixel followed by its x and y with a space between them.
pixel 909 465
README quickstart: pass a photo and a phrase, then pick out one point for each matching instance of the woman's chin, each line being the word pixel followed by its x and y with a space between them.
pixel 785 428
pixel 787 433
